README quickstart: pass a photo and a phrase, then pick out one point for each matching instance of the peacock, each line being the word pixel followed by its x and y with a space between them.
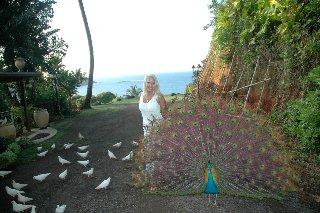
pixel 207 147
pixel 211 180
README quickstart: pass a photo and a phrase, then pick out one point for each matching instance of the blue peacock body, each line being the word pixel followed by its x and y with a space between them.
pixel 237 155
pixel 211 180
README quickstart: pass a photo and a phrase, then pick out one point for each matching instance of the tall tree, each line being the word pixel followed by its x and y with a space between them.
pixel 25 31
pixel 87 101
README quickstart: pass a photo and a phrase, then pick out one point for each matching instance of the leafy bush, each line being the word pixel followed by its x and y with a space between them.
pixel 301 117
pixel 24 143
pixel 14 147
pixel 4 142
pixel 7 158
pixel 76 101
pixel 18 117
pixel 103 98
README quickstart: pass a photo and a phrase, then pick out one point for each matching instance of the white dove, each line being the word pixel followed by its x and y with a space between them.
pixel 68 145
pixel 4 173
pixel 3 121
pixel 81 148
pixel 117 144
pixel 41 177
pixel 80 136
pixel 60 209
pixel 42 154
pixel 33 209
pixel 84 162
pixel 12 192
pixel 63 161
pixel 18 185
pixel 104 184
pixel 88 173
pixel 39 148
pixel 53 146
pixel 111 155
pixel 63 174
pixel 135 143
pixel 128 157
pixel 16 207
pixel 23 199
pixel 83 154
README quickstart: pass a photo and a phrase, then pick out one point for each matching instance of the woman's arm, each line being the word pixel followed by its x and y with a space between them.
pixel 163 105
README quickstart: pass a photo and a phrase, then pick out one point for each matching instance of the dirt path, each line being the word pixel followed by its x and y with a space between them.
pixel 78 192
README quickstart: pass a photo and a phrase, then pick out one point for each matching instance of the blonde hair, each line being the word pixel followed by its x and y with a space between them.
pixel 156 84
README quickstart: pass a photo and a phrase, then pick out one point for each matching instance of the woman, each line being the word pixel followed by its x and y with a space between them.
pixel 152 103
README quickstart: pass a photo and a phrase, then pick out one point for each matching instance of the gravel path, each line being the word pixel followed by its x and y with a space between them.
pixel 78 191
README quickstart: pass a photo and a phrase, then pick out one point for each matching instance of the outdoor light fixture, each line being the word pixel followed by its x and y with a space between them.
pixel 19 63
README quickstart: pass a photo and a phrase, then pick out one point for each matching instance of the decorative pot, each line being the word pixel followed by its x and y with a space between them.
pixel 41 117
pixel 8 131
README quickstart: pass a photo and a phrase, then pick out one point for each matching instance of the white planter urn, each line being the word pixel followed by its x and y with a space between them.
pixel 41 117
pixel 8 131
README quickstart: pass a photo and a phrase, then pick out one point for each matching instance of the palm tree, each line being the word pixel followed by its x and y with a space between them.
pixel 87 101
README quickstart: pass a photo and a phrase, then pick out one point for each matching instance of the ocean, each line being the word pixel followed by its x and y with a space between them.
pixel 169 83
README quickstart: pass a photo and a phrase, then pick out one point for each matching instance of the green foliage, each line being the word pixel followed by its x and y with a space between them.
pixel 301 117
pixel 7 158
pixel 287 32
pixel 25 31
pixel 133 92
pixel 18 117
pixel 9 151
pixel 4 142
pixel 55 92
pixel 15 148
pixel 24 143
pixel 103 98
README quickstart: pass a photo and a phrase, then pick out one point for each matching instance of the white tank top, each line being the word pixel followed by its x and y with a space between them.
pixel 150 111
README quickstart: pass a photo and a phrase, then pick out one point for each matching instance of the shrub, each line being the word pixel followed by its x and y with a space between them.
pixel 14 147
pixel 7 158
pixel 4 142
pixel 103 98
pixel 18 117
pixel 129 96
pixel 24 143
pixel 301 117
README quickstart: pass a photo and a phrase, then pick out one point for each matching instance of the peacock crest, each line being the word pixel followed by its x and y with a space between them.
pixel 204 138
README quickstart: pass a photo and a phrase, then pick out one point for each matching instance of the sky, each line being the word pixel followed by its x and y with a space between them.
pixel 133 37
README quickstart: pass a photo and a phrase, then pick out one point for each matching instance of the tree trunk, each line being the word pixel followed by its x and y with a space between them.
pixel 87 101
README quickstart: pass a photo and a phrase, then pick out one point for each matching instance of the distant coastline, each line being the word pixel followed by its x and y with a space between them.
pixel 174 82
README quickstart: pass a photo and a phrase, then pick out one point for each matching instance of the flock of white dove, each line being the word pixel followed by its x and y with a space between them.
pixel 16 190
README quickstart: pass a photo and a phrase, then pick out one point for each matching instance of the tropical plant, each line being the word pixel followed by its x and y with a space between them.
pixel 133 92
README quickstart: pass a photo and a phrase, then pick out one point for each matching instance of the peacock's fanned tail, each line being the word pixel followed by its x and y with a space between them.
pixel 246 161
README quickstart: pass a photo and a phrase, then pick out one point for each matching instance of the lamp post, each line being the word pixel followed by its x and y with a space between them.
pixel 196 72
pixel 20 64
